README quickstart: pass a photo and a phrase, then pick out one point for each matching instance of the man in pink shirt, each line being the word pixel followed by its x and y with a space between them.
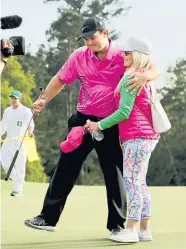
pixel 98 66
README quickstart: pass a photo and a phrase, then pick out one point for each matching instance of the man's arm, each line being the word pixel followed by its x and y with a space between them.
pixel 142 78
pixel 66 75
pixel 152 73
pixel 53 88
pixel 31 131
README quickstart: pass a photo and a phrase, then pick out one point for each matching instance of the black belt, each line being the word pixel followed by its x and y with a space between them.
pixel 91 117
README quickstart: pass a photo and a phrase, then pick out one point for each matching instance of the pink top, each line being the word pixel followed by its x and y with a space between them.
pixel 139 123
pixel 98 79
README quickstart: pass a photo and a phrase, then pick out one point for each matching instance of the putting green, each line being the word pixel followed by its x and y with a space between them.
pixel 82 224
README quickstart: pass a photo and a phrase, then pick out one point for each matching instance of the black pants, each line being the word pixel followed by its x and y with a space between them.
pixel 111 161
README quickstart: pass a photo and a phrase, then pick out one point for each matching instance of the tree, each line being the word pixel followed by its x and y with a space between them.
pixel 169 159
pixel 103 9
pixel 35 172
pixel 13 77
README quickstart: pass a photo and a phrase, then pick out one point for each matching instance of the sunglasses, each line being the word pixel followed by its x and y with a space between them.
pixel 127 53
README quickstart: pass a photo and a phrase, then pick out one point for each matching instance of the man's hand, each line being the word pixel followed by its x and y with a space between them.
pixel 6 44
pixel 38 106
pixel 31 134
pixel 140 78
pixel 92 126
pixel 137 82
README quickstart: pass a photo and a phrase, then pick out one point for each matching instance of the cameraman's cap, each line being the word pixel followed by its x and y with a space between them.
pixel 16 94
pixel 90 26
pixel 141 45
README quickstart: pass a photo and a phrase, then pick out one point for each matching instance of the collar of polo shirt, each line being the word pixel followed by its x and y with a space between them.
pixel 110 51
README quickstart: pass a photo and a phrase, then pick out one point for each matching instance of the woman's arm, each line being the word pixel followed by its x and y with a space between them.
pixel 125 107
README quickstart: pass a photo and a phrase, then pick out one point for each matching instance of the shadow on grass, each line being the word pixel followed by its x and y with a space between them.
pixel 78 244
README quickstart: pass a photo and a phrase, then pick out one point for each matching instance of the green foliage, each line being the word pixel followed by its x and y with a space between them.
pixel 168 162
pixel 2 174
pixel 13 77
pixel 35 172
pixel 106 10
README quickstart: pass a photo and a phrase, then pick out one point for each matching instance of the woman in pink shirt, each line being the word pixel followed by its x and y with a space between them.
pixel 138 139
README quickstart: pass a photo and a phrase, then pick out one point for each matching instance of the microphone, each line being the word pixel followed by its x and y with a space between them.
pixel 11 22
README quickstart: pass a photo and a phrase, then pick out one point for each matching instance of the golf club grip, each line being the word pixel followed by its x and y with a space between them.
pixel 11 165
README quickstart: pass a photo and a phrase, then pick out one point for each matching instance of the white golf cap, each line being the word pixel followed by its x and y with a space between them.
pixel 142 45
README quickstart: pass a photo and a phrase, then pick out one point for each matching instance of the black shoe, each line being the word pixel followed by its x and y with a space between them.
pixel 39 223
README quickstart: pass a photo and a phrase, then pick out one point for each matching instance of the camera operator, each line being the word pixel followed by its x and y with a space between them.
pixel 4 59
pixel 13 46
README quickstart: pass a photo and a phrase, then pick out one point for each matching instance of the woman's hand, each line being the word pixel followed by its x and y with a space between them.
pixel 92 126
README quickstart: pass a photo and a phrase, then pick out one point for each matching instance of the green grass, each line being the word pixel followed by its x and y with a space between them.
pixel 82 224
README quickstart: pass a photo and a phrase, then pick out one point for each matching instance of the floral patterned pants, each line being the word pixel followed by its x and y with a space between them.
pixel 136 155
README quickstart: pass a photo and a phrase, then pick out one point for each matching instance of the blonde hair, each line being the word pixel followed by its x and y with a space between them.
pixel 140 61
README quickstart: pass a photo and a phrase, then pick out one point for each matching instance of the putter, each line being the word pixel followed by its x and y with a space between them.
pixel 17 151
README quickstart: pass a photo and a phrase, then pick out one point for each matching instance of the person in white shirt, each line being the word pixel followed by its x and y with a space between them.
pixel 15 121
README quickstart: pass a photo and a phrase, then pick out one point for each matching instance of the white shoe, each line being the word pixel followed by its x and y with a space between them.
pixel 145 235
pixel 115 233
pixel 127 236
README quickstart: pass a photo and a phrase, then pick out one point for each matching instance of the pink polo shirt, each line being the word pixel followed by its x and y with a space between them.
pixel 98 79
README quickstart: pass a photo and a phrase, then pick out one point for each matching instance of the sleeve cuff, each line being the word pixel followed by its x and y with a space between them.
pixel 99 126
